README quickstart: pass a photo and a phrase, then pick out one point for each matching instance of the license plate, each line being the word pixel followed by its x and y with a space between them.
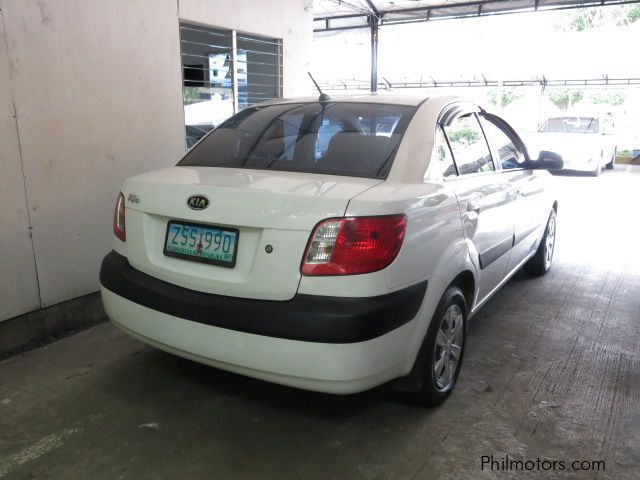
pixel 202 243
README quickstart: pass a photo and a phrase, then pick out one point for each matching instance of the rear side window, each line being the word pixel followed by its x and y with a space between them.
pixel 442 155
pixel 352 139
pixel 468 144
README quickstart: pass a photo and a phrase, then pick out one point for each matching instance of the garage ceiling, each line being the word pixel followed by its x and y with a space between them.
pixel 330 15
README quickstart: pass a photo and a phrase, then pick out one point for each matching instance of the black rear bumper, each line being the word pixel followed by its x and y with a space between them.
pixel 308 318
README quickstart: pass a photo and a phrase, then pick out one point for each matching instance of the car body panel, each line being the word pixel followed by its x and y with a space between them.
pixel 267 208
pixel 331 368
pixel 532 190
pixel 381 99
pixel 485 202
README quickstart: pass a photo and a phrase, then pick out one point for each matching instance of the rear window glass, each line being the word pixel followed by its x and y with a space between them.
pixel 571 125
pixel 352 139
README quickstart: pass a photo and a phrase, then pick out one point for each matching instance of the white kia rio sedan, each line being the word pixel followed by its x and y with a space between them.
pixel 331 245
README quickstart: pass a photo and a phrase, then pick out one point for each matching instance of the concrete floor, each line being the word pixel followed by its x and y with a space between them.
pixel 552 371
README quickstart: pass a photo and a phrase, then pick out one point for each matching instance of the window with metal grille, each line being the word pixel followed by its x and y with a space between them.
pixel 223 72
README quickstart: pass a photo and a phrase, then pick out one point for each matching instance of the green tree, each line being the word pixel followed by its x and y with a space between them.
pixel 634 14
pixel 191 94
pixel 508 96
pixel 471 136
pixel 597 17
pixel 563 99
pixel 610 98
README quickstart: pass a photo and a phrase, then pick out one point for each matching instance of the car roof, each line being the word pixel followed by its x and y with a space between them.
pixel 379 98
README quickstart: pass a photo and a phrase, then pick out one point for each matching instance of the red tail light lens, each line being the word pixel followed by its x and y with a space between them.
pixel 119 227
pixel 348 246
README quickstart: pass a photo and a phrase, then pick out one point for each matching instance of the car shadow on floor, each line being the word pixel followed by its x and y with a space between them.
pixel 269 394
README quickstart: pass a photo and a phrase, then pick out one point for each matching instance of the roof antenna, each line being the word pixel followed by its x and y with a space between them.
pixel 323 96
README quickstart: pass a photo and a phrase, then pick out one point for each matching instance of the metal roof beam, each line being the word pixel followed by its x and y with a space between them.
pixel 373 8
pixel 545 82
pixel 465 10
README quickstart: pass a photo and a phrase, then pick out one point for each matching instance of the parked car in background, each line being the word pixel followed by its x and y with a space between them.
pixel 331 245
pixel 586 143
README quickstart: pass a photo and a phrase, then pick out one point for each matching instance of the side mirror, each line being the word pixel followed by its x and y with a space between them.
pixel 548 161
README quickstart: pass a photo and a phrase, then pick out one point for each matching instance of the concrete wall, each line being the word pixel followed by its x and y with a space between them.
pixel 18 283
pixel 97 92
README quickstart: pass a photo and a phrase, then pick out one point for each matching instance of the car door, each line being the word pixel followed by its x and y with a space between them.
pixel 526 186
pixel 484 197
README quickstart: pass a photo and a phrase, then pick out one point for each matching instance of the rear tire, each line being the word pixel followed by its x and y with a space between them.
pixel 541 261
pixel 440 357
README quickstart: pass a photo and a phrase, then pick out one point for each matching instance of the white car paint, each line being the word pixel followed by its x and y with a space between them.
pixel 584 152
pixel 279 208
pixel 443 239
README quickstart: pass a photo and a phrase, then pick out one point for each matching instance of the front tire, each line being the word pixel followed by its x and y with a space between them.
pixel 541 262
pixel 596 172
pixel 611 165
pixel 442 351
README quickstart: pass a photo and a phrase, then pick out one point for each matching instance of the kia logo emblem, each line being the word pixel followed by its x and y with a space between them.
pixel 198 202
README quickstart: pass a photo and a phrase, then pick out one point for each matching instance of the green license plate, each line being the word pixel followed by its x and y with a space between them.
pixel 202 243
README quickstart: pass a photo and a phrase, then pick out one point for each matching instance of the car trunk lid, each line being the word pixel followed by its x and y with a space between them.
pixel 273 212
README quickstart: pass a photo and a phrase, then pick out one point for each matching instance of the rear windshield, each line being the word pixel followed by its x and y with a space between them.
pixel 571 125
pixel 352 139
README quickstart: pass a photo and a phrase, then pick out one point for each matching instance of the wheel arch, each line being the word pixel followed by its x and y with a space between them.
pixel 466 282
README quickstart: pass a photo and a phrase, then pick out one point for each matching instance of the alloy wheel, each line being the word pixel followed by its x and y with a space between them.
pixel 550 241
pixel 449 344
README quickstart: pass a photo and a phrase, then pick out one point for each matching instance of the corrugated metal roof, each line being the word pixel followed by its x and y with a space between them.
pixel 346 14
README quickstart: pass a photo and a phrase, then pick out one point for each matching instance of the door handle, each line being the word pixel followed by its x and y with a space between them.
pixel 473 206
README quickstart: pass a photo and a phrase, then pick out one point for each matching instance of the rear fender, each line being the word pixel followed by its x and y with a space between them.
pixel 453 261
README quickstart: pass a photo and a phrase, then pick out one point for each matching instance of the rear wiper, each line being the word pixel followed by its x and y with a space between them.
pixel 586 130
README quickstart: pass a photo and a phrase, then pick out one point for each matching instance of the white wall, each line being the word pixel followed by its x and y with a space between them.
pixel 290 20
pixel 98 94
pixel 18 285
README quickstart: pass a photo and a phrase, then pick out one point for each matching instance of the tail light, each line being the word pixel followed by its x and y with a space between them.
pixel 119 227
pixel 348 246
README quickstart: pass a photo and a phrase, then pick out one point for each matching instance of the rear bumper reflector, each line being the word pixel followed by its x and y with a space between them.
pixel 309 318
